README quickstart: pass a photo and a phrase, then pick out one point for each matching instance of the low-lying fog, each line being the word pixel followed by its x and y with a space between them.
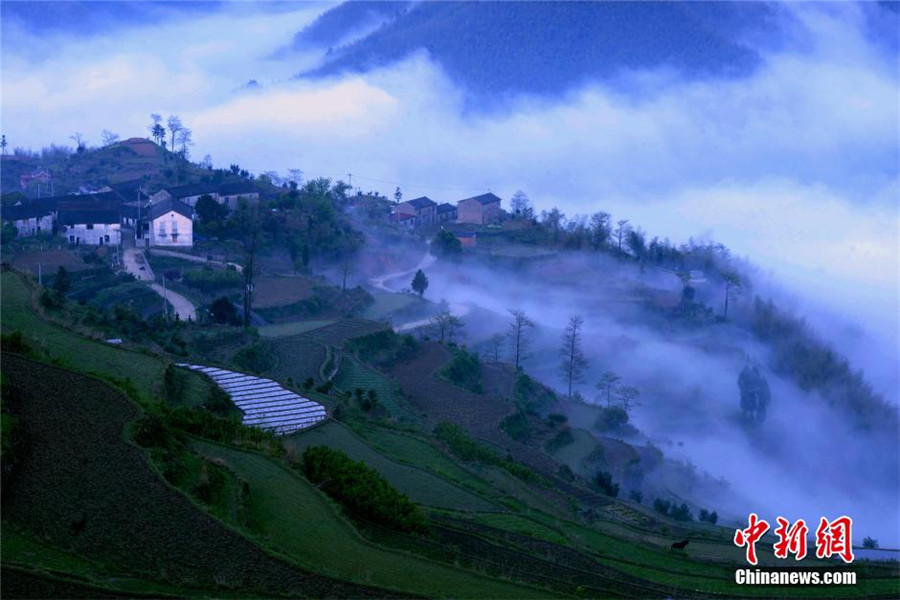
pixel 794 167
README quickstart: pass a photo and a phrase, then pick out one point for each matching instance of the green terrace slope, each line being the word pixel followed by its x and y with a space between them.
pixel 82 487
pixel 300 522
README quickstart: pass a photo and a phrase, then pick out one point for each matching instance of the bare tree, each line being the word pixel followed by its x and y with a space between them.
pixel 621 234
pixel 599 229
pixel 185 139
pixel 173 123
pixel 573 361
pixel 347 269
pixel 109 138
pixel 518 335
pixel 629 395
pixel 152 127
pixel 495 347
pixel 447 325
pixel 295 176
pixel 519 205
pixel 607 386
pixel 78 138
pixel 251 242
pixel 733 286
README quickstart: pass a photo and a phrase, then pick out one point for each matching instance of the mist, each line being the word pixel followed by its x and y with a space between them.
pixel 796 168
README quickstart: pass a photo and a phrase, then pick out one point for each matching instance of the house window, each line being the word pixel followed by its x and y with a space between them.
pixel 71 239
pixel 90 225
pixel 107 239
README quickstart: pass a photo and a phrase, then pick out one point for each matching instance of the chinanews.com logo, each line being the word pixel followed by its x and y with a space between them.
pixel 833 539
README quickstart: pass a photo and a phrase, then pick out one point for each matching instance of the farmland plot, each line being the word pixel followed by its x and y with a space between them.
pixel 265 404
pixel 353 375
pixel 419 484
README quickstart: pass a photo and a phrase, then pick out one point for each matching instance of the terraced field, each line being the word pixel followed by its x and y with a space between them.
pixel 83 488
pixel 342 330
pixel 574 454
pixel 420 485
pixel 298 358
pixel 82 353
pixel 301 523
pixel 265 404
pixel 292 328
pixel 352 375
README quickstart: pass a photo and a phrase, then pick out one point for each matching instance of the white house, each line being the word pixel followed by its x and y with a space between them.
pixel 171 224
pixel 29 219
pixel 90 223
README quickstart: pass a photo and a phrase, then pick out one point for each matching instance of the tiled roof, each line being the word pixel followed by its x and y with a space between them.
pixel 488 198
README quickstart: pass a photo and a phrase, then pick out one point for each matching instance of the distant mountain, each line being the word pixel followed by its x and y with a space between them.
pixel 79 17
pixel 332 26
pixel 548 47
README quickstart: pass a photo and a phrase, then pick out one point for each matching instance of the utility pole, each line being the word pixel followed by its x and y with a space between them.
pixel 40 279
pixel 165 298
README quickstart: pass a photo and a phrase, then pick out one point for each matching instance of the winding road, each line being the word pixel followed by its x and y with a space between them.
pixel 380 283
pixel 133 260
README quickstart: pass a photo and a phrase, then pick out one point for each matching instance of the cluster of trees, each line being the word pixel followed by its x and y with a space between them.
pixel 180 137
pixel 467 449
pixel 600 232
pixel 383 348
pixel 362 491
pixel 816 366
pixel 603 480
pixel 668 508
pixel 464 369
pixel 446 326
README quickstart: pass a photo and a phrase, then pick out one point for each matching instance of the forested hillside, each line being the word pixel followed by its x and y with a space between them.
pixel 497 47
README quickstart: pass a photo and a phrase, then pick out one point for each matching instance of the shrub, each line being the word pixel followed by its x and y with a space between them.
pixel 223 311
pixel 363 492
pixel 603 480
pixel 611 419
pixel 517 427
pixel 464 369
pixel 257 357
pixel 869 542
pixel 561 440
pixel 465 448
pixel 636 496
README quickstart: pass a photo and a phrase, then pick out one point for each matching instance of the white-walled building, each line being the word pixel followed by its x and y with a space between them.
pixel 171 224
pixel 91 224
pixel 29 219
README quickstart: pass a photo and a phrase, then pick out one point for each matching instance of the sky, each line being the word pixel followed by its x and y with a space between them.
pixel 795 167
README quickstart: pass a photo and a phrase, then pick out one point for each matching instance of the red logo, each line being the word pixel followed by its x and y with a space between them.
pixel 832 538
pixel 748 537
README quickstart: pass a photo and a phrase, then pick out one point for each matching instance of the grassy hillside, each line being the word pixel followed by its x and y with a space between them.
pixel 82 487
pixel 299 522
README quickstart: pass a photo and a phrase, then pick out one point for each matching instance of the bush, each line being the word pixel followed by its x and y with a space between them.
pixel 465 448
pixel 636 496
pixel 662 506
pixel 223 311
pixel 561 440
pixel 464 369
pixel 517 427
pixel 708 517
pixel 603 480
pixel 209 280
pixel 869 542
pixel 681 513
pixel 256 358
pixel 363 492
pixel 611 419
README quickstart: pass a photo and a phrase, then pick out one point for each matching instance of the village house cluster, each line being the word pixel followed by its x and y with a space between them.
pixel 423 212
pixel 101 217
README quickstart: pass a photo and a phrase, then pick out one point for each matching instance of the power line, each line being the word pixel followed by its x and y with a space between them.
pixel 414 186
